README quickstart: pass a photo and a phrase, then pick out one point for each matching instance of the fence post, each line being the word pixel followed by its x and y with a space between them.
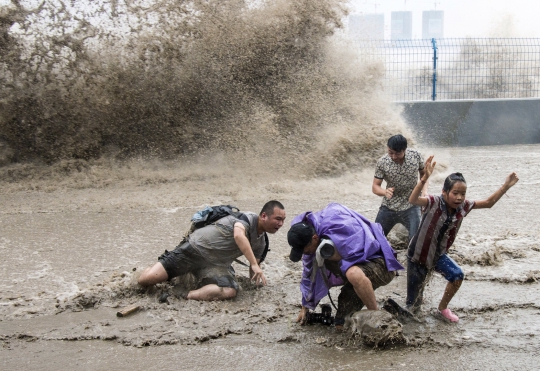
pixel 434 89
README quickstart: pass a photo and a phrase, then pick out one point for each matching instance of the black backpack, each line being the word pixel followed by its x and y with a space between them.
pixel 215 214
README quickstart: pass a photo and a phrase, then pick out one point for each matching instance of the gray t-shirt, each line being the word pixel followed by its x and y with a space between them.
pixel 403 177
pixel 216 242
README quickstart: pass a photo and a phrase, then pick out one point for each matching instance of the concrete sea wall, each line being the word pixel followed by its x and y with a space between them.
pixel 474 122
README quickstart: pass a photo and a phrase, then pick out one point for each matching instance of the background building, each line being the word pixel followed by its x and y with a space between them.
pixel 401 25
pixel 432 24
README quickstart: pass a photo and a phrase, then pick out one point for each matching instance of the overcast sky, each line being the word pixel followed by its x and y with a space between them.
pixel 462 18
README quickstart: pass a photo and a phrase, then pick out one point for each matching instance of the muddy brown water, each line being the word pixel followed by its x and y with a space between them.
pixel 70 246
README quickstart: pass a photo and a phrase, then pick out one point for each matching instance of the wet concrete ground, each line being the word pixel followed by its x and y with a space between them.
pixel 69 254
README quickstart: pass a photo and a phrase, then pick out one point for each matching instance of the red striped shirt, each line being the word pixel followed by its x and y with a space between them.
pixel 437 230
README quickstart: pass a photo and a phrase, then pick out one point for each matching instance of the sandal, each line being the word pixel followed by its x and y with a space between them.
pixel 447 313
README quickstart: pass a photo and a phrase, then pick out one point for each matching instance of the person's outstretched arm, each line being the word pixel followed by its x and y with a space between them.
pixel 415 197
pixel 243 244
pixel 496 196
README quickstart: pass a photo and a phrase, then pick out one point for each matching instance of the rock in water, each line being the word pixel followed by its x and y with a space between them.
pixel 375 327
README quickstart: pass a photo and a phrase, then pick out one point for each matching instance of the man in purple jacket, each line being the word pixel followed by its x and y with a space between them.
pixel 338 246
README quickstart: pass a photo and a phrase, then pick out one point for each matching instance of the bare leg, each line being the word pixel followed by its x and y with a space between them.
pixel 362 286
pixel 449 292
pixel 212 292
pixel 154 274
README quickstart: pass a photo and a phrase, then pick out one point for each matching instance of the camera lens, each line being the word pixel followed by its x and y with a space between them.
pixel 327 251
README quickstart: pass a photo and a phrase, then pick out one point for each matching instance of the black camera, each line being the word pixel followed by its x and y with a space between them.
pixel 325 317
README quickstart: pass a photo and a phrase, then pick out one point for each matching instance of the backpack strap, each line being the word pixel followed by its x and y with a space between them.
pixel 244 217
pixel 266 247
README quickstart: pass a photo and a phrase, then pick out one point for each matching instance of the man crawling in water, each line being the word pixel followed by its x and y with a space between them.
pixel 208 253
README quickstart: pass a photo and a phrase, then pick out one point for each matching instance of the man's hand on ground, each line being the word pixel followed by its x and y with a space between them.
pixel 257 275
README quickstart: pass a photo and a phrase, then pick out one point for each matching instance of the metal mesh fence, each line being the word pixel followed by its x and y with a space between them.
pixel 467 68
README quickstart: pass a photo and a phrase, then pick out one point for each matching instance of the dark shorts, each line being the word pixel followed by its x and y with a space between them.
pixel 186 259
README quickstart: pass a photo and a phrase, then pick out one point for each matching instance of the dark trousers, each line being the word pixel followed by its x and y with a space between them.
pixel 409 218
pixel 417 275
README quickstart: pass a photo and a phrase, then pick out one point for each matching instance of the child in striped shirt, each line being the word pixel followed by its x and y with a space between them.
pixel 441 219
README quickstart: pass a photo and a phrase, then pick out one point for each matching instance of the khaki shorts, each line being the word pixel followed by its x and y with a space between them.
pixel 348 301
pixel 375 270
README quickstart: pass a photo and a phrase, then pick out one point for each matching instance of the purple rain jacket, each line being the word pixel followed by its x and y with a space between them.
pixel 356 239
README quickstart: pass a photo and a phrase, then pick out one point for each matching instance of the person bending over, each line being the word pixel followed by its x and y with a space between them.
pixel 339 247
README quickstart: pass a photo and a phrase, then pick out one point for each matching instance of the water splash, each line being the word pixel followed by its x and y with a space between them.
pixel 255 85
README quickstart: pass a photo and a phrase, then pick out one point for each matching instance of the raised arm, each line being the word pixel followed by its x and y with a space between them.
pixel 424 191
pixel 496 196
pixel 243 244
pixel 415 198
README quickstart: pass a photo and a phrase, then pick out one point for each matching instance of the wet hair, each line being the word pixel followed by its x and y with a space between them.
pixel 268 207
pixel 397 143
pixel 451 180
